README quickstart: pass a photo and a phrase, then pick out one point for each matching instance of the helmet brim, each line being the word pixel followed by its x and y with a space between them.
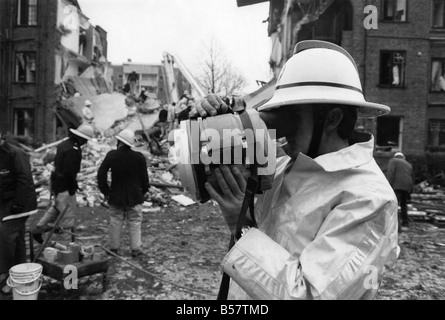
pixel 325 95
pixel 80 134
pixel 125 141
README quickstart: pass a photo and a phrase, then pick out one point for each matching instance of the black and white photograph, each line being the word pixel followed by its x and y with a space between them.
pixel 205 152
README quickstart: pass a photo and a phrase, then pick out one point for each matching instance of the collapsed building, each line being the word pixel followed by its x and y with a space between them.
pixel 401 59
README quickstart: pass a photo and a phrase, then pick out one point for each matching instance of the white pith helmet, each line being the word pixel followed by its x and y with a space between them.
pixel 88 103
pixel 84 131
pixel 321 72
pixel 126 136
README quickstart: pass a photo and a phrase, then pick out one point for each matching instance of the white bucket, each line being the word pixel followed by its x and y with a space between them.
pixel 25 273
pixel 28 291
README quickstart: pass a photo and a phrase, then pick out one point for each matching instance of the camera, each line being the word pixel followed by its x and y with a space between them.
pixel 202 145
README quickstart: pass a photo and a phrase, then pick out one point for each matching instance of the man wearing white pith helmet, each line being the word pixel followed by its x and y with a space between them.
pixel 64 181
pixel 128 189
pixel 328 227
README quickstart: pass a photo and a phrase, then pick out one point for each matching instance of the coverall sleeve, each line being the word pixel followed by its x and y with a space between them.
pixel 344 261
pixel 102 175
pixel 390 174
pixel 145 184
pixel 25 181
pixel 71 168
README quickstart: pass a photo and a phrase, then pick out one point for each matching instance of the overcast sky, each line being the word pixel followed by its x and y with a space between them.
pixel 141 30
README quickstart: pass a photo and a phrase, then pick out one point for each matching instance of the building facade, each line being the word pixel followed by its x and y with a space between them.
pixel 152 78
pixel 399 47
pixel 43 42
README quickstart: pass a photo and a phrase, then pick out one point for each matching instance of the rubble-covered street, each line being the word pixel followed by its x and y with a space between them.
pixel 184 245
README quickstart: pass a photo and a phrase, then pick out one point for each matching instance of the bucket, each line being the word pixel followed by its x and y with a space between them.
pixel 25 273
pixel 29 291
pixel 50 254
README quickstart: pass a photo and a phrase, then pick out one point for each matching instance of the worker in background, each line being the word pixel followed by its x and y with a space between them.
pixel 400 175
pixel 171 118
pixel 87 113
pixel 330 218
pixel 64 181
pixel 18 201
pixel 127 191
pixel 133 81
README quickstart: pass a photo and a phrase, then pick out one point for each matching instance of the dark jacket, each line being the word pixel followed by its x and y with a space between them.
pixel 129 177
pixel 67 166
pixel 400 175
pixel 17 192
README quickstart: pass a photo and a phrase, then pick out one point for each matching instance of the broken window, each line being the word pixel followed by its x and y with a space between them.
pixel 437 75
pixel 24 122
pixel 389 133
pixel 438 13
pixel 394 10
pixel 392 68
pixel 26 12
pixel 436 133
pixel 25 67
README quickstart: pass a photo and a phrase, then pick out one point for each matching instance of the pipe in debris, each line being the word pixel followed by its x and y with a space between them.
pixel 154 276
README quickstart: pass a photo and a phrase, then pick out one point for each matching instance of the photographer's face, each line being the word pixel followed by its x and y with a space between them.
pixel 298 122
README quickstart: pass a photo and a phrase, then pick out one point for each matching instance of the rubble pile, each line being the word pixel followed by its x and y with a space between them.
pixel 427 204
pixel 162 175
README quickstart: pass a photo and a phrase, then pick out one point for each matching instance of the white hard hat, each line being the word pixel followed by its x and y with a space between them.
pixel 88 103
pixel 126 136
pixel 84 131
pixel 321 72
pixel 399 154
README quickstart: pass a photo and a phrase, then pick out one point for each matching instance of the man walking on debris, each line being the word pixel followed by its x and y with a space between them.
pixel 128 189
pixel 18 201
pixel 400 175
pixel 64 181
pixel 328 227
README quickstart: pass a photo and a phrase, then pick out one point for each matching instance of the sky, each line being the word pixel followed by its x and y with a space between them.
pixel 141 30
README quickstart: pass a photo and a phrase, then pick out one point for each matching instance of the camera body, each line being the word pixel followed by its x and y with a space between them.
pixel 202 145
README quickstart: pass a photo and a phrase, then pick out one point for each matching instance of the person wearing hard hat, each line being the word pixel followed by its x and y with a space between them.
pixel 18 201
pixel 64 181
pixel 327 228
pixel 127 191
pixel 400 175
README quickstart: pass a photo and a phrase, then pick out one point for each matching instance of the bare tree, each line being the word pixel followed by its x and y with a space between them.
pixel 217 74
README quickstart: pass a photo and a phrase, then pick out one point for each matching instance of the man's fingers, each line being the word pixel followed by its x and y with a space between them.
pixel 240 179
pixel 223 107
pixel 231 181
pixel 200 110
pixel 214 194
pixel 209 107
pixel 223 184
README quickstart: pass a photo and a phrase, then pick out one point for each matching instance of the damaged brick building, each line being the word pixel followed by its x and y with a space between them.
pixel 43 43
pixel 401 63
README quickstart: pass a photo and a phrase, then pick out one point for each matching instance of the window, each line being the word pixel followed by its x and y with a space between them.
pixel 389 133
pixel 121 76
pixel 24 122
pixel 26 12
pixel 25 67
pixel 394 10
pixel 437 75
pixel 392 68
pixel 436 133
pixel 438 13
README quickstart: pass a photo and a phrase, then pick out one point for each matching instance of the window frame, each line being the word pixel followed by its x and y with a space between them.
pixel 432 16
pixel 15 75
pixel 388 147
pixel 15 121
pixel 385 19
pixel 433 59
pixel 430 138
pixel 18 6
pixel 391 86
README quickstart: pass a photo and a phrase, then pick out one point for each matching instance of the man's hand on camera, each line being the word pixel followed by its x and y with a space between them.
pixel 233 186
pixel 211 105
